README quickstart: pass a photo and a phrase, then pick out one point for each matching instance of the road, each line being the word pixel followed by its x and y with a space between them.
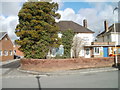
pixel 83 80
pixel 86 78
pixel 14 64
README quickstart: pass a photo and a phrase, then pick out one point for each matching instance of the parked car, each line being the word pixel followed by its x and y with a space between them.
pixel 16 57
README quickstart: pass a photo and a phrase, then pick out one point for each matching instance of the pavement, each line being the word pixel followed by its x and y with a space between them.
pixel 7 66
pixel 70 72
pixel 8 61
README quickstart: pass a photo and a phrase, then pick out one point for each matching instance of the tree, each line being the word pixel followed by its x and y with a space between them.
pixel 77 46
pixel 67 40
pixel 37 28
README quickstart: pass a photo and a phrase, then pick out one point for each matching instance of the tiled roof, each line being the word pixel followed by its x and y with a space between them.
pixel 111 29
pixel 2 34
pixel 65 25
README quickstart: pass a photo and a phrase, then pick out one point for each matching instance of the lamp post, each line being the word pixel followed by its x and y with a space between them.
pixel 115 50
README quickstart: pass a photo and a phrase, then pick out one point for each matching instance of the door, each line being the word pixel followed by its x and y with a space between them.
pixel 87 53
pixel 105 50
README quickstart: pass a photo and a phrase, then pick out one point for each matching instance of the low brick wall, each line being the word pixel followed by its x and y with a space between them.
pixel 46 65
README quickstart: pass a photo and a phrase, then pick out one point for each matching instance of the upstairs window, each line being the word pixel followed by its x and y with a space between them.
pixel 6 38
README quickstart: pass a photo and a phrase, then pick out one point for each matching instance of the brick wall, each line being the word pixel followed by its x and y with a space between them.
pixel 64 64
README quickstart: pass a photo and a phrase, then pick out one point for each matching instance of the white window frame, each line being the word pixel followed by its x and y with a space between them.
pixel 10 52
pixel 5 53
pixel 98 51
pixel 0 52
pixel 14 51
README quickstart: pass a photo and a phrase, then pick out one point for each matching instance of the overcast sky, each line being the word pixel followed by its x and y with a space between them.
pixel 93 10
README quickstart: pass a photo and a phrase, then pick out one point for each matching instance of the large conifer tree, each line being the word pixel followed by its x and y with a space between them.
pixel 37 29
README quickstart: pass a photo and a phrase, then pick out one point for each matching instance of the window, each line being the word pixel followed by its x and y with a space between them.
pixel 96 50
pixel 14 52
pixel 6 38
pixel 0 52
pixel 6 53
pixel 118 50
pixel 53 51
pixel 87 51
pixel 10 52
pixel 61 50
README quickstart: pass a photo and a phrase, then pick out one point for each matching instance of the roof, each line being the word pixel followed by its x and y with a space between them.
pixel 117 26
pixel 65 25
pixel 111 29
pixel 2 34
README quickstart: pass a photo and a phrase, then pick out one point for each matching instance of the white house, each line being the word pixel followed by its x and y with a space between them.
pixel 106 41
pixel 110 34
pixel 82 34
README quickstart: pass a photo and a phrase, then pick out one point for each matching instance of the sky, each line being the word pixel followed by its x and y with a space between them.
pixel 95 12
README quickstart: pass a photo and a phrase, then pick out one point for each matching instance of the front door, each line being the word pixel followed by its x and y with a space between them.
pixel 105 49
pixel 87 53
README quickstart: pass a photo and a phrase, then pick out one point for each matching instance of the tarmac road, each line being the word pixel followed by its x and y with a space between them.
pixel 14 64
pixel 107 79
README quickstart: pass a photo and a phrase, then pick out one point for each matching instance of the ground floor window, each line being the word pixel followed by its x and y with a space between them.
pixel 10 52
pixel 96 50
pixel 14 52
pixel 118 50
pixel 5 52
pixel 87 51
pixel 61 50
pixel 58 51
pixel 0 52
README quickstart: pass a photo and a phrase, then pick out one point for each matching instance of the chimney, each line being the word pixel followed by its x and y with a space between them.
pixel 106 26
pixel 85 23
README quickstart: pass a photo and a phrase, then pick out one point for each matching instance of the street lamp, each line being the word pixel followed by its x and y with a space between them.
pixel 115 50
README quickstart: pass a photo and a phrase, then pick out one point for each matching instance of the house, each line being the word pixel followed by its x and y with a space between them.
pixel 99 49
pixel 81 32
pixel 110 34
pixel 106 44
pixel 6 47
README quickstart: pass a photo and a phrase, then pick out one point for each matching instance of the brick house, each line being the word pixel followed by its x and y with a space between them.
pixel 6 47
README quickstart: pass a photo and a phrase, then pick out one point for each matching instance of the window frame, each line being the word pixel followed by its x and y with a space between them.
pixel 5 53
pixel 10 52
pixel 96 50
pixel 1 54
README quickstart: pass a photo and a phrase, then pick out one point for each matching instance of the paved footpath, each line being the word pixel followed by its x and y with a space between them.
pixel 12 73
